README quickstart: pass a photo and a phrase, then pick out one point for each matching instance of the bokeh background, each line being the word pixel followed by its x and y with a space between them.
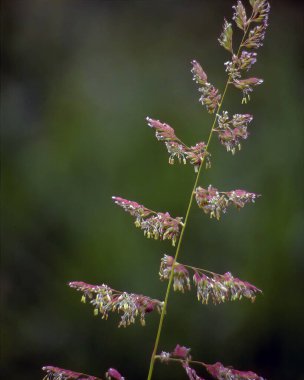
pixel 78 80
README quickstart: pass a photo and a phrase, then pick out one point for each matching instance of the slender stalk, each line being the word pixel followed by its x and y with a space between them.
pixel 182 361
pixel 162 317
pixel 202 270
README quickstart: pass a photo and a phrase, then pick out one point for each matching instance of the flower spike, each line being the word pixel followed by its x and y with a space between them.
pixel 56 373
pixel 191 373
pixel 243 60
pixel 112 373
pixel 181 277
pixel 214 202
pixel 156 225
pixel 231 132
pixel 246 85
pixel 209 286
pixel 239 16
pixel 105 299
pixel 239 64
pixel 261 9
pixel 255 37
pixel 177 149
pixel 225 39
pixel 217 370
pixel 210 96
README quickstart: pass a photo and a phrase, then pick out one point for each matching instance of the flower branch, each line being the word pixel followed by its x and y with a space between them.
pixel 177 149
pixel 218 371
pixel 218 288
pixel 105 300
pixel 232 131
pixel 56 373
pixel 244 60
pixel 156 225
pixel 214 202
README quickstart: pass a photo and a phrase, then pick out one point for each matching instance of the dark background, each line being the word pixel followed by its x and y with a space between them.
pixel 78 80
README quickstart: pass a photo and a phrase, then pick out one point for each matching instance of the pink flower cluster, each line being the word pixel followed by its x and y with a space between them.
pixel 105 300
pixel 232 131
pixel 56 373
pixel 222 288
pixel 214 202
pixel 255 37
pixel 177 149
pixel 210 96
pixel 244 61
pixel 191 373
pixel 218 371
pixel 156 225
pixel 209 286
pixel 246 85
pixel 112 373
pixel 181 278
pixel 179 352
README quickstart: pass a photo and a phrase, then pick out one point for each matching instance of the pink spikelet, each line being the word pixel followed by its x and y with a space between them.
pixel 56 373
pixel 214 202
pixel 210 97
pixel 252 39
pixel 195 155
pixel 225 39
pixel 105 300
pixel 246 85
pixel 209 286
pixel 219 372
pixel 156 225
pixel 191 373
pixel 232 131
pixel 113 374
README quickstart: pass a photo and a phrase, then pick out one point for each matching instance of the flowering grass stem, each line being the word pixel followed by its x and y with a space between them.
pixel 163 313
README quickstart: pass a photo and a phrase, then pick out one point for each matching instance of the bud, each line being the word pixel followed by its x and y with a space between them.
pixel 113 374
pixel 199 75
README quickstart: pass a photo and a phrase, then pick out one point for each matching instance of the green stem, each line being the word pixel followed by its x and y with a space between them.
pixel 162 317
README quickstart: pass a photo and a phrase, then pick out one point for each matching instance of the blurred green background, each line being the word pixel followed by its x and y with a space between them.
pixel 78 80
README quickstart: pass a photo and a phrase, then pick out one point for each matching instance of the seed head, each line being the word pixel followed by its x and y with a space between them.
pixel 195 155
pixel 225 39
pixel 56 373
pixel 156 225
pixel 210 96
pixel 129 305
pixel 231 132
pixel 214 202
